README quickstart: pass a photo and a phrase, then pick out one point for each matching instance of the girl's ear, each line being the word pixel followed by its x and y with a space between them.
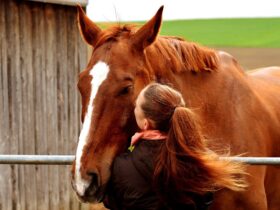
pixel 146 124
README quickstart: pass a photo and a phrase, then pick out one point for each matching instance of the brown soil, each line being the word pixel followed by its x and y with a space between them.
pixel 251 58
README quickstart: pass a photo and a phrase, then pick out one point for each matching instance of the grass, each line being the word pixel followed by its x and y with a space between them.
pixel 258 32
pixel 246 32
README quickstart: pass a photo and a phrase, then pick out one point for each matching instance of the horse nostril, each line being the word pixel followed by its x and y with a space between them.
pixel 94 177
pixel 91 190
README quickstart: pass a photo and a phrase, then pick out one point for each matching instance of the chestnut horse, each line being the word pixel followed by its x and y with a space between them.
pixel 237 109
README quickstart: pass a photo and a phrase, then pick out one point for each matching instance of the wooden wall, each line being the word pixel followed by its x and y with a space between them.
pixel 41 54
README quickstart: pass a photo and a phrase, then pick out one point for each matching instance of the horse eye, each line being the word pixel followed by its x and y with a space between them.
pixel 125 90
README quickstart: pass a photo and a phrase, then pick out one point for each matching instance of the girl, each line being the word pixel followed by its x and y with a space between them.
pixel 170 166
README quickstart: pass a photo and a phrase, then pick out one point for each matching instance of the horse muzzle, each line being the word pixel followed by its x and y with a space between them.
pixel 89 190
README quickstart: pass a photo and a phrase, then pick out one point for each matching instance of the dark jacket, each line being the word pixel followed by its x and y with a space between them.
pixel 131 188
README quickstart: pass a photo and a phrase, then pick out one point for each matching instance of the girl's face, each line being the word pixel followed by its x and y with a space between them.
pixel 142 122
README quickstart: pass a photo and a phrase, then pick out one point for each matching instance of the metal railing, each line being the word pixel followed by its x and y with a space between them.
pixel 37 159
pixel 68 159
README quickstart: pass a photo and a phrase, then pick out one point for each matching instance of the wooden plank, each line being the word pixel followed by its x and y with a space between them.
pixel 40 52
pixel 51 101
pixel 27 142
pixel 15 130
pixel 62 102
pixel 14 91
pixel 4 109
pixel 1 74
pixel 39 49
pixel 3 80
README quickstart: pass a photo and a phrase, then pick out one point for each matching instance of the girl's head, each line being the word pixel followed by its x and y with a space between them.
pixel 155 106
pixel 184 164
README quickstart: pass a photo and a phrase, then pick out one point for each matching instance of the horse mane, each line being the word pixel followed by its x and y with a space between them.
pixel 178 54
pixel 186 56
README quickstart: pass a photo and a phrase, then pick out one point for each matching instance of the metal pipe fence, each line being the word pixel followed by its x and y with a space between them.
pixel 37 159
pixel 68 159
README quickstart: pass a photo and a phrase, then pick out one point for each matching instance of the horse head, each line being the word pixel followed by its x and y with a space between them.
pixel 117 71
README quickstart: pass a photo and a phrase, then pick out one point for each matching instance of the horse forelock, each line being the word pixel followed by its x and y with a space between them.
pixel 114 33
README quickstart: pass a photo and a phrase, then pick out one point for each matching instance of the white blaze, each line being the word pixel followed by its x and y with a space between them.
pixel 99 73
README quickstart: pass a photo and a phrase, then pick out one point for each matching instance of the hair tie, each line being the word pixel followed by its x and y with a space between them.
pixel 175 107
pixel 178 106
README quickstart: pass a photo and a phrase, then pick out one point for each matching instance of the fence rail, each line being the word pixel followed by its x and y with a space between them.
pixel 37 159
pixel 68 159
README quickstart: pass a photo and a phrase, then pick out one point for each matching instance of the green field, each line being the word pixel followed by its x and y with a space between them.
pixel 259 32
pixel 247 32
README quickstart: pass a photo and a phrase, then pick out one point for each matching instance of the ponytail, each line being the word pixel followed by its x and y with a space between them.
pixel 185 165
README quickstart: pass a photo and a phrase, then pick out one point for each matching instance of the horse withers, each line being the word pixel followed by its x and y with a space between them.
pixel 237 110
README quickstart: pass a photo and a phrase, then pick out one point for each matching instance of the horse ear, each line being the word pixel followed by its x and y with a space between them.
pixel 88 29
pixel 147 34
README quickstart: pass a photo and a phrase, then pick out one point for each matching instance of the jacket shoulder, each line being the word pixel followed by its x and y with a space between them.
pixel 128 187
pixel 125 174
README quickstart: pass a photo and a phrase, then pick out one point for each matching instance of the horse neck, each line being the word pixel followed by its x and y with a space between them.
pixel 205 77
